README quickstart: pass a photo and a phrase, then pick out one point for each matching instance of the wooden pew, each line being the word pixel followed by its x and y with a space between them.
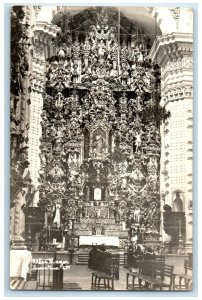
pixel 155 275
pixel 107 271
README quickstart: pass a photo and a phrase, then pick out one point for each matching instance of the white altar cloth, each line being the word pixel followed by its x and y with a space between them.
pixel 20 263
pixel 99 240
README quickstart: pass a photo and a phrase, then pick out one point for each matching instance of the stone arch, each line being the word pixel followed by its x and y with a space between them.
pixel 152 19
pixel 161 19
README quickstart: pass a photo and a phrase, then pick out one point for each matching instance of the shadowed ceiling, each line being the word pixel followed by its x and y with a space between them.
pixel 137 15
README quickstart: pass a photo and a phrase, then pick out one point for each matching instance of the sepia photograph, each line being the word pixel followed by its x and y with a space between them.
pixel 101 148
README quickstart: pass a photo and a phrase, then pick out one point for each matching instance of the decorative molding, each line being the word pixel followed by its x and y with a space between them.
pixel 168 47
pixel 181 63
pixel 177 92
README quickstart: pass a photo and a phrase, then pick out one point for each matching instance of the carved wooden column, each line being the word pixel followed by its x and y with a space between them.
pixel 173 53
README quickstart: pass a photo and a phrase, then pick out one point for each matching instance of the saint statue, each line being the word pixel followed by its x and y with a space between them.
pixel 57 214
pixel 137 141
pixel 99 145
pixel 101 48
pixel 137 214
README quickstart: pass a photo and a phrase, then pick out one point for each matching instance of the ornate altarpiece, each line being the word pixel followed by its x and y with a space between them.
pixel 100 145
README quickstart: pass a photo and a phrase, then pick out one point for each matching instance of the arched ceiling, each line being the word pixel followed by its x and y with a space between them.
pixel 138 15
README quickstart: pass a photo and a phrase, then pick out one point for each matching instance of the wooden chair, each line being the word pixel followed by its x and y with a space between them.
pixel 184 279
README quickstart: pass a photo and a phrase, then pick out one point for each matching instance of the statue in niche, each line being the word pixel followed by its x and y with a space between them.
pixel 92 32
pixel 76 50
pixel 138 53
pixel 124 181
pixel 74 101
pixel 177 203
pixel 73 159
pixel 48 132
pixel 114 54
pixel 123 100
pixel 67 68
pixel 139 106
pixel 124 73
pixel 152 166
pixel 57 146
pixel 59 101
pixel 153 134
pixel 101 48
pixel 137 141
pixel 71 214
pixel 124 52
pixel 112 34
pixel 74 130
pixel 102 69
pixel 137 214
pixel 136 175
pixel 99 145
pixel 75 73
pixel 56 170
pixel 140 58
pixel 122 127
pixel 153 182
pixel 56 219
pixel 59 131
pixel 86 52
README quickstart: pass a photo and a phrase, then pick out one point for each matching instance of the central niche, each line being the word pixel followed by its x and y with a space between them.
pixel 97 194
pixel 96 149
pixel 96 143
pixel 99 143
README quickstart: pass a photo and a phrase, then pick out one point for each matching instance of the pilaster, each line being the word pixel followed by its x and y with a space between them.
pixel 44 33
pixel 174 54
